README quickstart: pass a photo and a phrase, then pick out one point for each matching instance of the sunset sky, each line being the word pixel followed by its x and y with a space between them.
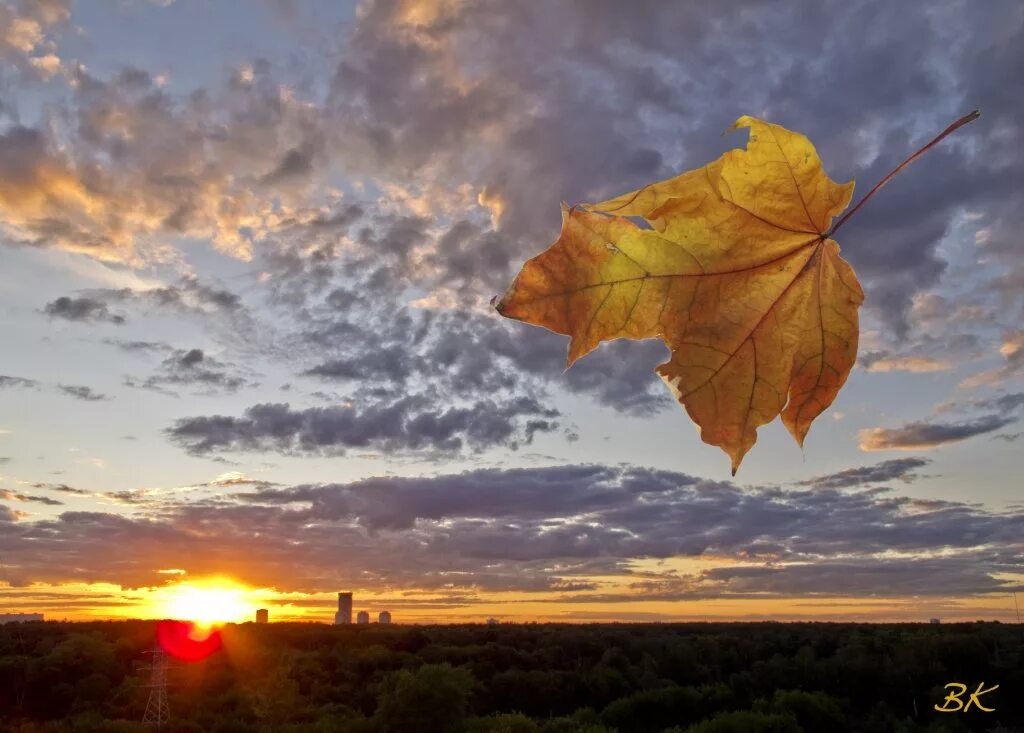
pixel 246 255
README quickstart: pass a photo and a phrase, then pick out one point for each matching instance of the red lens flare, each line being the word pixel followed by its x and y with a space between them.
pixel 187 641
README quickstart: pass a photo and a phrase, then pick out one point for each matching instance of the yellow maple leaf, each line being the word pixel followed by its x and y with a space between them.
pixel 737 274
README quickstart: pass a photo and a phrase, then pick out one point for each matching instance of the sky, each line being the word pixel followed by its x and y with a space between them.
pixel 247 251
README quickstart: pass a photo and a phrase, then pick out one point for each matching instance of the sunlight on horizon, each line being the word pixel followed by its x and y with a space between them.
pixel 204 602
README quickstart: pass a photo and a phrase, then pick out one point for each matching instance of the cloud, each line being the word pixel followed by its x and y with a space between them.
pixel 82 393
pixel 411 423
pixel 877 361
pixel 131 164
pixel 412 107
pixel 385 364
pixel 473 153
pixel 25 36
pixel 1006 403
pixel 73 390
pixel 913 577
pixel 928 435
pixel 453 162
pixel 549 529
pixel 188 295
pixel 81 309
pixel 8 515
pixel 62 489
pixel 138 346
pixel 7 381
pixel 898 469
pixel 236 478
pixel 8 495
pixel 925 435
pixel 1012 351
pixel 191 368
pixel 469 356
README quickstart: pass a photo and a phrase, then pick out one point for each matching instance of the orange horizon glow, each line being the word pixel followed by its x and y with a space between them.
pixel 218 600
pixel 204 602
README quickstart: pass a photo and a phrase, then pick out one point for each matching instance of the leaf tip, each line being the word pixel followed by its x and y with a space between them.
pixel 741 122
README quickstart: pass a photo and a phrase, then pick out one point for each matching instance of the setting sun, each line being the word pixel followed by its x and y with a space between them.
pixel 205 603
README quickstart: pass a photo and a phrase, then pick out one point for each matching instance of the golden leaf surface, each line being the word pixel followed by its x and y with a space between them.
pixel 736 274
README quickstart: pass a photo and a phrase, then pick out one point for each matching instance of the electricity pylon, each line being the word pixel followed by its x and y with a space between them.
pixel 157 711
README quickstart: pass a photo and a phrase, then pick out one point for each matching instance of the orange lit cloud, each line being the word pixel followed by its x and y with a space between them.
pixel 929 435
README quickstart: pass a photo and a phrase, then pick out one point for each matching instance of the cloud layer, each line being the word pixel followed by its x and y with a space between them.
pixel 544 529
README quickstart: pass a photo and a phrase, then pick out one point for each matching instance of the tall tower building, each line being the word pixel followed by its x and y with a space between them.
pixel 344 614
pixel 362 617
pixel 262 616
pixel 384 617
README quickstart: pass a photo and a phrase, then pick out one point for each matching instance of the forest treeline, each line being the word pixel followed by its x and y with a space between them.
pixel 533 678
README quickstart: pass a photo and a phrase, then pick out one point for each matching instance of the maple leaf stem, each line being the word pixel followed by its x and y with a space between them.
pixel 938 138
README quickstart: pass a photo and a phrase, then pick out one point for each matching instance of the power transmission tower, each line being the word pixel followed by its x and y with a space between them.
pixel 157 711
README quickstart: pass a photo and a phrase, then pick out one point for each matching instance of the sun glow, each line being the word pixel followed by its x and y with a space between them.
pixel 205 603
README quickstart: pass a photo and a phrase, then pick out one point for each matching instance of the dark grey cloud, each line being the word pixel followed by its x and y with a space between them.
pixel 81 309
pixel 296 163
pixel 304 256
pixel 619 375
pixel 62 489
pixel 914 577
pixel 390 363
pixel 898 469
pixel 192 368
pixel 468 356
pixel 412 423
pixel 8 381
pixel 188 294
pixel 73 390
pixel 512 495
pixel 1009 402
pixel 80 392
pixel 1005 403
pixel 542 529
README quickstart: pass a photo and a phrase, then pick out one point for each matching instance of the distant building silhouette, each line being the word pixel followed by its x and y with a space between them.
pixel 492 622
pixel 344 614
pixel 384 617
pixel 10 618
pixel 362 617
pixel 262 616
pixel 935 621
